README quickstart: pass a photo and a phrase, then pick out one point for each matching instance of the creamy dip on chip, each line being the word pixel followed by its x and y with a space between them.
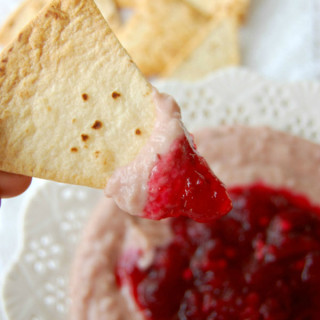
pixel 168 177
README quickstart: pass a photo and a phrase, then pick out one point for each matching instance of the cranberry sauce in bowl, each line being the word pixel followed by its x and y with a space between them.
pixel 261 261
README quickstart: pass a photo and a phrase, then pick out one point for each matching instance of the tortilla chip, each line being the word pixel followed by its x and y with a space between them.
pixel 30 8
pixel 214 48
pixel 19 18
pixel 156 32
pixel 71 99
pixel 127 3
pixel 109 10
pixel 238 8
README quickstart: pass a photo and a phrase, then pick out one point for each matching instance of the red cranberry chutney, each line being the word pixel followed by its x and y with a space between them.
pixel 182 184
pixel 261 261
pixel 168 177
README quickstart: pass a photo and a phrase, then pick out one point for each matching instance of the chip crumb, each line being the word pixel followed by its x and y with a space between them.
pixel 115 95
pixel 84 137
pixel 74 149
pixel 85 97
pixel 97 125
pixel 138 132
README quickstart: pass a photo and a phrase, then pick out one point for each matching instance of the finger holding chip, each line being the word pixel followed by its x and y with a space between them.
pixel 12 185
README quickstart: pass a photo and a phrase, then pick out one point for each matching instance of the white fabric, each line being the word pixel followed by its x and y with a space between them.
pixel 282 39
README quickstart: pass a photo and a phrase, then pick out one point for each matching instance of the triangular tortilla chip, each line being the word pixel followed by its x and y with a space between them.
pixel 156 32
pixel 73 105
pixel 238 8
pixel 28 9
pixel 215 47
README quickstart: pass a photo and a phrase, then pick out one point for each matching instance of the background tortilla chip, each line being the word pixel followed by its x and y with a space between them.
pixel 238 8
pixel 28 9
pixel 214 48
pixel 127 3
pixel 71 99
pixel 156 32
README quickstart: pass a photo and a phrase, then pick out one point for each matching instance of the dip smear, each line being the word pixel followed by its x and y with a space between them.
pixel 261 261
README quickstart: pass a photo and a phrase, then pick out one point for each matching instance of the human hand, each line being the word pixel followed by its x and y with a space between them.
pixel 12 184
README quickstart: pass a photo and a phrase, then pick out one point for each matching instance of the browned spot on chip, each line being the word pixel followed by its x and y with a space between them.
pixel 54 13
pixel 10 49
pixel 85 96
pixel 97 125
pixel 2 70
pixel 74 149
pixel 115 95
pixel 49 109
pixel 20 36
pixel 138 132
pixel 84 137
pixel 5 60
pixel 96 154
pixel 74 120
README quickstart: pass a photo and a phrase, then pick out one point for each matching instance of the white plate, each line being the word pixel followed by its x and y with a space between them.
pixel 36 285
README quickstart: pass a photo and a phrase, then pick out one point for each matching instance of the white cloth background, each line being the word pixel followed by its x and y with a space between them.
pixel 281 41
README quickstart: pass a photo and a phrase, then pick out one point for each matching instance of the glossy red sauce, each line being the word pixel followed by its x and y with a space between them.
pixel 182 184
pixel 261 261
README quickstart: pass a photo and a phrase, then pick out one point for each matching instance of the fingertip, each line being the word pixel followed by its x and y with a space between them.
pixel 12 185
